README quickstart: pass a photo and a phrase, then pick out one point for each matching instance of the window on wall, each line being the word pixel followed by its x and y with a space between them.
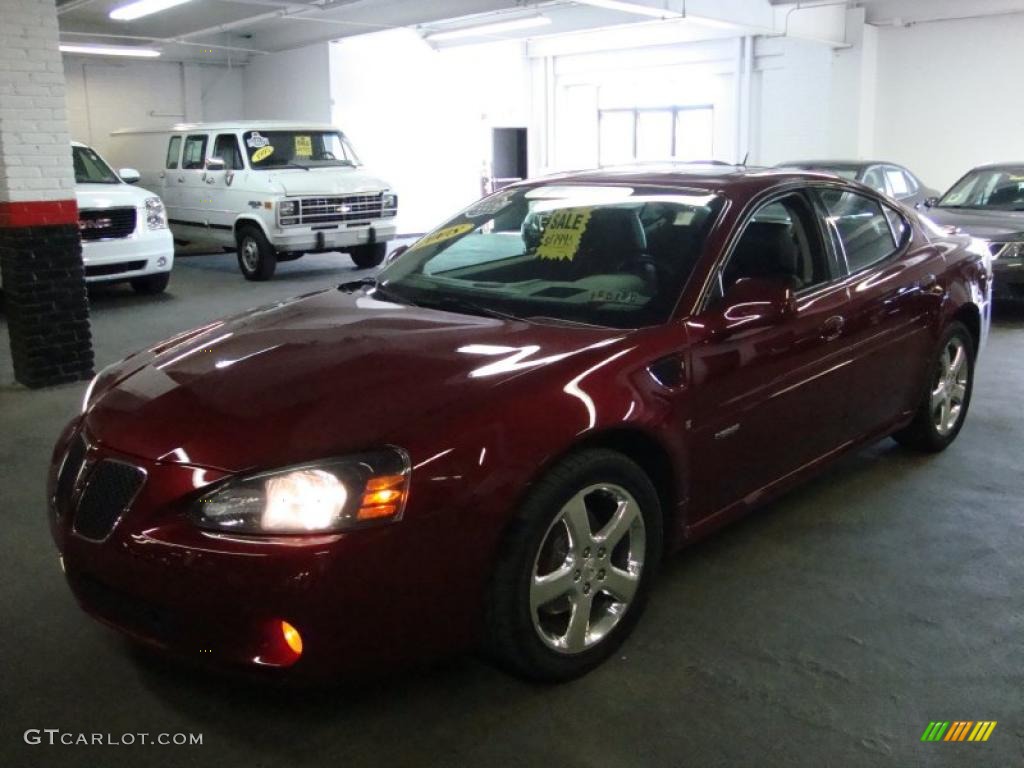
pixel 670 133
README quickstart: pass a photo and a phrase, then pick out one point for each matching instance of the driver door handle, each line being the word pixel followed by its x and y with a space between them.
pixel 832 328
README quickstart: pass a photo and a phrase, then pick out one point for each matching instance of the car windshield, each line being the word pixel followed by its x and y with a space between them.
pixel 1001 189
pixel 600 255
pixel 90 168
pixel 304 149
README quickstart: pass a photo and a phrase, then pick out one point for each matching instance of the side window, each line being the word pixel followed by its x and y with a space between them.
pixel 226 148
pixel 194 156
pixel 781 240
pixel 897 223
pixel 875 179
pixel 862 225
pixel 898 186
pixel 173 152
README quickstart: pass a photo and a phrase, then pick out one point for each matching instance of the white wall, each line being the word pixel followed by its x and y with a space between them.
pixel 950 96
pixel 421 118
pixel 104 95
pixel 291 85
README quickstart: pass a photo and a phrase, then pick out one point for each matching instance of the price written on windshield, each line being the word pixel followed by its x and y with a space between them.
pixel 562 235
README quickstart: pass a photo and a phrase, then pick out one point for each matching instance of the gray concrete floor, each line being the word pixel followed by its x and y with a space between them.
pixel 825 630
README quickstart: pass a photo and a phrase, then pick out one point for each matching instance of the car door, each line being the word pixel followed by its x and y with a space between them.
pixel 768 399
pixel 169 188
pixel 194 206
pixel 894 294
pixel 223 200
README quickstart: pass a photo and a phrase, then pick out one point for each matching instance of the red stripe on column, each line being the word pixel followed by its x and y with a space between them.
pixel 38 213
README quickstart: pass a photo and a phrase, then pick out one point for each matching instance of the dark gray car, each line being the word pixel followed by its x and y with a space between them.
pixel 888 178
pixel 988 202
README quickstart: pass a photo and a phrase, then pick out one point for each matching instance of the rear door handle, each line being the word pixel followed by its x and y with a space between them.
pixel 832 328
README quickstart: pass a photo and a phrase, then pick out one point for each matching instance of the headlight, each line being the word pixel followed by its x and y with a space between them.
pixel 321 497
pixel 156 216
pixel 389 202
pixel 287 207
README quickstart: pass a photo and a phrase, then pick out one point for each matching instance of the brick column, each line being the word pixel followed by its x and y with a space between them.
pixel 45 300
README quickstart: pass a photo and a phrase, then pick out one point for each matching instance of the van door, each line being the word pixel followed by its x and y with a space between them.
pixel 195 199
pixel 223 187
pixel 168 187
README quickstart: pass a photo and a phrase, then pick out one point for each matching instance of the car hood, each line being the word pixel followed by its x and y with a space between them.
pixel 110 195
pixel 987 224
pixel 317 376
pixel 327 181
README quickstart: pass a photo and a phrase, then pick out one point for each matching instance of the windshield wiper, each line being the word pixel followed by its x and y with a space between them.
pixel 466 307
pixel 548 320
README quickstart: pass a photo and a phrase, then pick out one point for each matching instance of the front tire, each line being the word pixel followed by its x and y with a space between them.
pixel 256 256
pixel 149 285
pixel 943 408
pixel 367 256
pixel 574 568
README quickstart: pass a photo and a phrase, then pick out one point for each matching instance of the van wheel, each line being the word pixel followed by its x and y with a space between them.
pixel 366 256
pixel 151 284
pixel 574 567
pixel 256 256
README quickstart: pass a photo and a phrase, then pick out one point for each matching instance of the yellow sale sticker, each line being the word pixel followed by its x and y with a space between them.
pixel 441 235
pixel 262 154
pixel 563 233
pixel 304 146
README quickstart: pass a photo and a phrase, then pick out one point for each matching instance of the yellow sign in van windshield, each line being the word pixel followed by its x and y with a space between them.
pixel 304 146
pixel 563 233
pixel 262 154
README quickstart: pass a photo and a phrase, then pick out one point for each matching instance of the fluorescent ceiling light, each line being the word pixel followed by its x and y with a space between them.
pixel 489 29
pixel 111 50
pixel 142 8
pixel 640 10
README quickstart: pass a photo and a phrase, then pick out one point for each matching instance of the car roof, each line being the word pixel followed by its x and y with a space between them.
pixel 712 178
pixel 1003 166
pixel 234 125
pixel 836 163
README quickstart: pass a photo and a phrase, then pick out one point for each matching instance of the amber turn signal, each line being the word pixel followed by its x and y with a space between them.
pixel 292 637
pixel 384 497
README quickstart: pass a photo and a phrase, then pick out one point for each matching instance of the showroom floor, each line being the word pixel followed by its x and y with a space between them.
pixel 826 630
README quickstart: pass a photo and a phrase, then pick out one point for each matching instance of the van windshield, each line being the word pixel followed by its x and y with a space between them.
pixel 90 168
pixel 298 149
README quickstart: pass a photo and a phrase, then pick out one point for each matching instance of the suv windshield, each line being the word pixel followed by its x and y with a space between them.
pixel 1002 189
pixel 90 168
pixel 305 149
pixel 601 255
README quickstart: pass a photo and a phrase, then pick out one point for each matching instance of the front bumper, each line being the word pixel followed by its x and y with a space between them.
pixel 145 252
pixel 359 600
pixel 332 237
pixel 1008 279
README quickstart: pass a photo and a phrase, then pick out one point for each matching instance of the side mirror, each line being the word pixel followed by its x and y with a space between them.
pixel 756 302
pixel 393 256
pixel 931 202
pixel 129 175
pixel 215 164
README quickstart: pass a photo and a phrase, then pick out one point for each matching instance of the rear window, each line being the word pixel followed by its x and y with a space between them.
pixel 862 226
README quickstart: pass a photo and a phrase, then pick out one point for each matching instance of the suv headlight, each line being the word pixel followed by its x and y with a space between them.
pixel 287 207
pixel 156 216
pixel 320 497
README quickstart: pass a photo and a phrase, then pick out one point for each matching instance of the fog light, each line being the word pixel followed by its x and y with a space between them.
pixel 292 637
pixel 162 261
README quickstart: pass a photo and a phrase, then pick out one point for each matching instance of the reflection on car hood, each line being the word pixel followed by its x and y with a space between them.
pixel 110 195
pixel 326 181
pixel 988 224
pixel 318 376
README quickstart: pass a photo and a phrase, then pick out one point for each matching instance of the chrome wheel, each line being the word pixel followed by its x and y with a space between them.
pixel 250 253
pixel 950 388
pixel 588 568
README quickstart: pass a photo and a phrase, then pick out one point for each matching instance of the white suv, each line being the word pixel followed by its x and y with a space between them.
pixel 270 190
pixel 123 228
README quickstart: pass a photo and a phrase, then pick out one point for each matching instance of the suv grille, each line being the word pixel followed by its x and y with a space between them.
pixel 109 491
pixel 106 224
pixel 68 474
pixel 347 208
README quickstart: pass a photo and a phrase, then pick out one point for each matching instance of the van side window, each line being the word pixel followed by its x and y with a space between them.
pixel 226 148
pixel 194 156
pixel 173 152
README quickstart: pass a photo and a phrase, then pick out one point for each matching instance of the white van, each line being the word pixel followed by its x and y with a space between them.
pixel 270 190
pixel 123 228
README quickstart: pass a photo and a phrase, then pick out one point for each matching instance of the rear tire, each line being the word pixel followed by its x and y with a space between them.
pixel 367 256
pixel 574 568
pixel 945 401
pixel 151 284
pixel 256 256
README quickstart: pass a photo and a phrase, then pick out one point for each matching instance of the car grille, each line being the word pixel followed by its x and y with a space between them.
pixel 106 224
pixel 68 474
pixel 109 491
pixel 346 208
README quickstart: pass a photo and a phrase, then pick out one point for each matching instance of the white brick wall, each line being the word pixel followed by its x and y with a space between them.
pixel 35 155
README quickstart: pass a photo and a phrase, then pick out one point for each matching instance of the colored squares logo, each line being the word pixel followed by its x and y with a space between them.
pixel 958 730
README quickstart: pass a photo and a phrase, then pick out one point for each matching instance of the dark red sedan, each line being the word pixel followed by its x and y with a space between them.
pixel 495 441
